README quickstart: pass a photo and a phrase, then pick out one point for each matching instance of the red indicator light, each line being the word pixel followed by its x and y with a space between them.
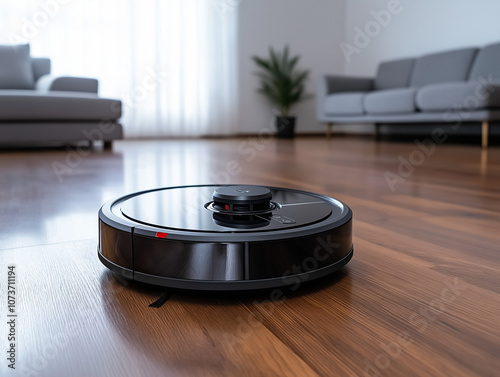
pixel 226 207
pixel 161 235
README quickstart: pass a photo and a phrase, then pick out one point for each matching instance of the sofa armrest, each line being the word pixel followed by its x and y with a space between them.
pixel 329 84
pixel 335 84
pixel 67 84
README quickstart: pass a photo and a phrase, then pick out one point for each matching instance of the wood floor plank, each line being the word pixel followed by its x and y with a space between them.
pixel 449 253
pixel 420 297
pixel 436 207
pixel 390 287
pixel 75 315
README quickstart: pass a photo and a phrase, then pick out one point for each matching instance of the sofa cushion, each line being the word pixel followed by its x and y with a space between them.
pixel 487 63
pixel 16 70
pixel 472 95
pixel 391 101
pixel 349 103
pixel 446 66
pixel 34 105
pixel 394 74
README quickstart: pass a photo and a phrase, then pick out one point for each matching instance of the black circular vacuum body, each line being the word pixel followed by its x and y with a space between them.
pixel 224 237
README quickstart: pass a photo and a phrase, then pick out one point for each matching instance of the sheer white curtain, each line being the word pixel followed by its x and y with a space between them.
pixel 172 62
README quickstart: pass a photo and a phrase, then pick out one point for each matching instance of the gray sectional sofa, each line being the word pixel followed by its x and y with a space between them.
pixel 37 108
pixel 455 86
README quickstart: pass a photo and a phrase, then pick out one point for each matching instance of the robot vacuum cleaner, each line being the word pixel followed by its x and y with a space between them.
pixel 224 237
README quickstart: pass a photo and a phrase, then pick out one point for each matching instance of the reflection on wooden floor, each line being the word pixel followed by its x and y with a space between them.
pixel 420 297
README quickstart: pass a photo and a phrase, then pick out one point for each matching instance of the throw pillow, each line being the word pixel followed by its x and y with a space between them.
pixel 16 70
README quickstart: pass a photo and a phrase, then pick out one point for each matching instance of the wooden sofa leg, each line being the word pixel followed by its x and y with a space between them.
pixel 484 133
pixel 107 144
pixel 329 130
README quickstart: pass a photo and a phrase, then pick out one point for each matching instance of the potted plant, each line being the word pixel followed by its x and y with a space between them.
pixel 283 85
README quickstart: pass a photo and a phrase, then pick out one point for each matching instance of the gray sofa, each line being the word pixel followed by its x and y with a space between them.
pixel 455 86
pixel 37 108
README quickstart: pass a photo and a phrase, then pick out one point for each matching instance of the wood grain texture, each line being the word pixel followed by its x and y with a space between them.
pixel 421 296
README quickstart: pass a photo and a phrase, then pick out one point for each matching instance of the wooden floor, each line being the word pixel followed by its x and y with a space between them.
pixel 421 296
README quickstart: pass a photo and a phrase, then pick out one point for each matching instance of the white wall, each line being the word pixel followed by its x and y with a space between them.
pixel 416 27
pixel 312 29
pixel 316 29
pixel 422 26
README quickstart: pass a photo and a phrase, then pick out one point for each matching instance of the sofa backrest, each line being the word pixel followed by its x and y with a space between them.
pixel 394 74
pixel 445 66
pixel 487 63
pixel 41 66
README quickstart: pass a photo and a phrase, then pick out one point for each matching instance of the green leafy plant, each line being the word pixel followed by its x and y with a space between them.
pixel 280 81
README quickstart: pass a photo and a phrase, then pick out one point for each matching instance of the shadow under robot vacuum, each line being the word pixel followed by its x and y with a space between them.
pixel 198 328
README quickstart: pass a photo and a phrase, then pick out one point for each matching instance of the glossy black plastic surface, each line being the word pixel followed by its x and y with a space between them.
pixel 176 237
pixel 186 209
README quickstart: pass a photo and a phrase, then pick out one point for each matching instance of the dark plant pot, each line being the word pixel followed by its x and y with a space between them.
pixel 285 127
